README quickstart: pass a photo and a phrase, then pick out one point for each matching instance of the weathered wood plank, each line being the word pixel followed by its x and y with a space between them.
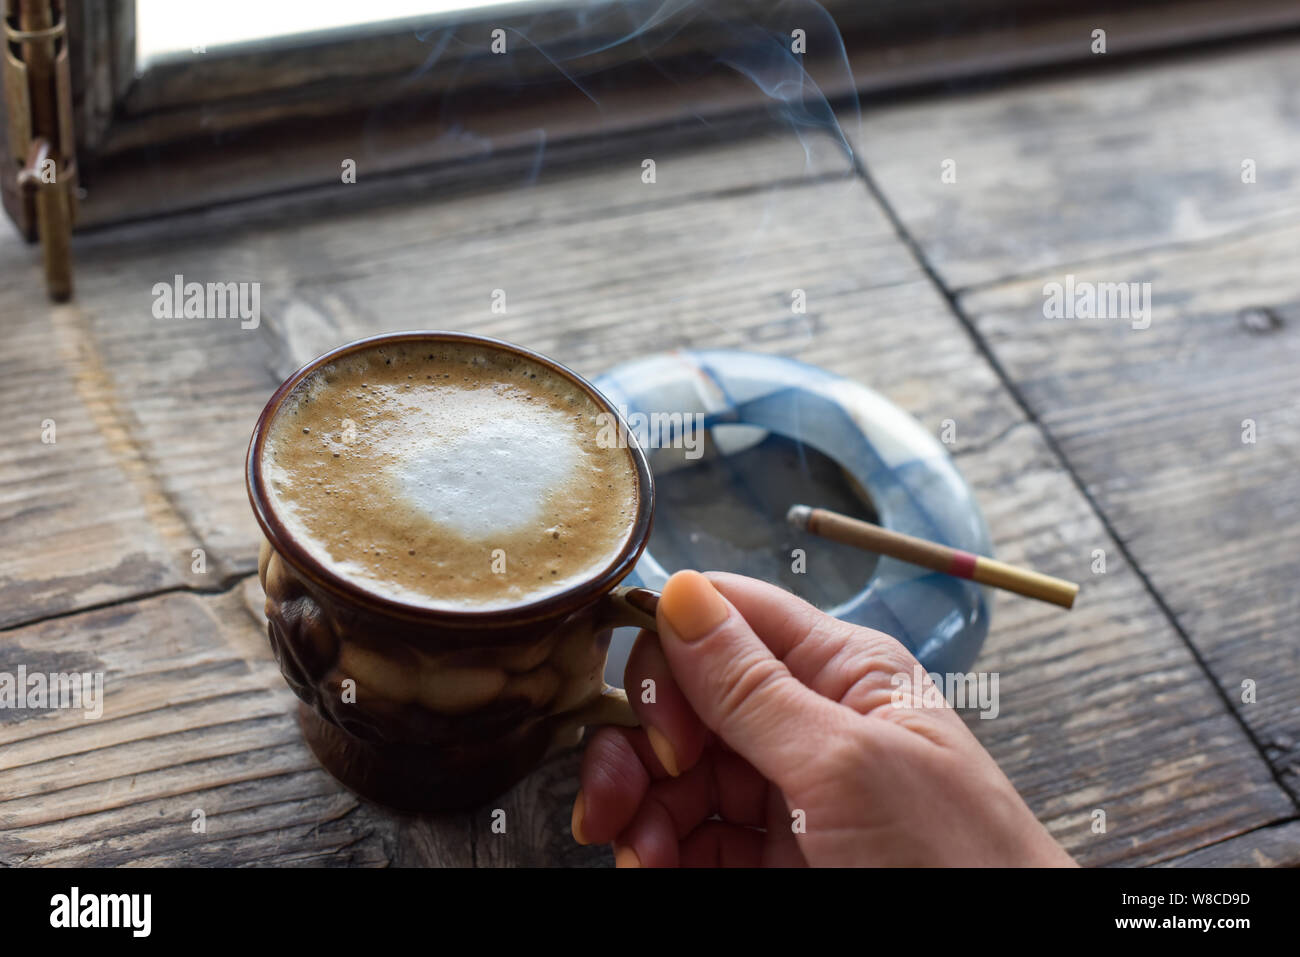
pixel 1155 422
pixel 537 815
pixel 1276 846
pixel 191 722
pixel 85 516
pixel 1095 714
pixel 590 284
pixel 594 269
pixel 1094 163
pixel 124 789
pixel 1103 708
pixel 152 416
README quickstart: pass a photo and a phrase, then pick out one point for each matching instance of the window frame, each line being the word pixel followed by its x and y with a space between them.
pixel 300 101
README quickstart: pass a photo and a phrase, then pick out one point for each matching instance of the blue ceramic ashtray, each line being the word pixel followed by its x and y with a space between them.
pixel 778 432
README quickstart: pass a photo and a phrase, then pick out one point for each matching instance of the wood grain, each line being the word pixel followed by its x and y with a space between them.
pixel 1135 176
pixel 1102 708
pixel 85 516
pixel 1152 422
pixel 1276 846
pixel 595 269
pixel 152 416
pixel 196 717
pixel 1097 162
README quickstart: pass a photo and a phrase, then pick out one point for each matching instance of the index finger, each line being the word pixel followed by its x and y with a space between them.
pixel 822 652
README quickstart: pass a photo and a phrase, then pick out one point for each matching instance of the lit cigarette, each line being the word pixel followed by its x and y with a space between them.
pixel 931 555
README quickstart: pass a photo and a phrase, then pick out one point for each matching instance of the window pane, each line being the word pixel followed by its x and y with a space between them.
pixel 168 27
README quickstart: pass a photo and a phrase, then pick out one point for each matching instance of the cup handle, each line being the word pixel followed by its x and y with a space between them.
pixel 627 605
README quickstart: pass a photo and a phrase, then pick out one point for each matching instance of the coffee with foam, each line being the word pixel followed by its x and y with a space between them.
pixel 449 475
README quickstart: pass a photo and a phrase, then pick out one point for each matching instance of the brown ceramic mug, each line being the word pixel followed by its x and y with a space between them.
pixel 449 707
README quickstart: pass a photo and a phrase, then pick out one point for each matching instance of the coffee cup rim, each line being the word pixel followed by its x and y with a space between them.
pixel 548 606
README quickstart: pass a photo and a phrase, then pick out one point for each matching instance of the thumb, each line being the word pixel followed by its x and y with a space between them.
pixel 740 690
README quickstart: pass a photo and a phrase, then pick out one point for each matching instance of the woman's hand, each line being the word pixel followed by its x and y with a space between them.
pixel 774 738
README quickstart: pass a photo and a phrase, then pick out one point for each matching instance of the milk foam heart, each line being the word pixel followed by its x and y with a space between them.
pixel 450 475
pixel 496 476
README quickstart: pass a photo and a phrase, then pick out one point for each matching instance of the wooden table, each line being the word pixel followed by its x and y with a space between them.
pixel 127 546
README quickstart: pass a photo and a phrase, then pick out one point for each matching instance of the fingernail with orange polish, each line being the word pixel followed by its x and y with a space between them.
pixel 663 750
pixel 626 857
pixel 579 812
pixel 692 606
